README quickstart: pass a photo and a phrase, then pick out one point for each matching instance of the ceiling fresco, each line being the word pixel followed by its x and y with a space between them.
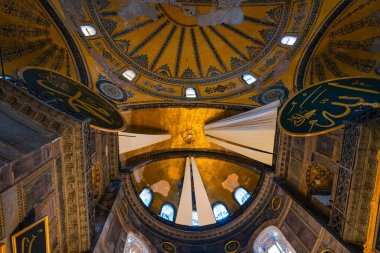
pixel 215 175
pixel 29 37
pixel 349 47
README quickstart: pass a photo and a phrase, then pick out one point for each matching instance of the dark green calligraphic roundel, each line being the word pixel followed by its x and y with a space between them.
pixel 232 246
pixel 168 247
pixel 72 98
pixel 326 106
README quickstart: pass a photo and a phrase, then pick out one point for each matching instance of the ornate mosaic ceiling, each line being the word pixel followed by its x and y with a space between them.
pixel 220 178
pixel 173 53
pixel 349 47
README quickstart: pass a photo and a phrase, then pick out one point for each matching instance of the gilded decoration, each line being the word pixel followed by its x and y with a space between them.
pixel 173 52
pixel 29 37
pixel 349 47
pixel 185 125
pixel 34 238
pixel 213 172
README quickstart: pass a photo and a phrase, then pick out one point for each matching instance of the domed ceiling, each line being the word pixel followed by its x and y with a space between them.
pixel 174 52
pixel 221 178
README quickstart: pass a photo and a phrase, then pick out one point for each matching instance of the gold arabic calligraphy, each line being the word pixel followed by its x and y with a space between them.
pixel 76 102
pixel 339 103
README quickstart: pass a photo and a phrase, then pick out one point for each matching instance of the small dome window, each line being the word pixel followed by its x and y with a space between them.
pixel 220 212
pixel 288 40
pixel 195 218
pixel 167 212
pixel 146 196
pixel 129 74
pixel 249 79
pixel 190 93
pixel 241 195
pixel 88 30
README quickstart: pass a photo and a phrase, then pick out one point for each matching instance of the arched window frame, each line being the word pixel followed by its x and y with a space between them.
pixel 225 206
pixel 174 211
pixel 185 92
pixel 237 201
pixel 87 28
pixel 151 199
pixel 268 237
pixel 289 37
pixel 250 75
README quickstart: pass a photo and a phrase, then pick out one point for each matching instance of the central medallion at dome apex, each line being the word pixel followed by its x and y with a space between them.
pixel 174 50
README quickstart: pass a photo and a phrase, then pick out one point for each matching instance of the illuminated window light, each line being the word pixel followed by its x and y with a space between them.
pixel 195 218
pixel 129 74
pixel 167 212
pixel 289 40
pixel 191 93
pixel 241 195
pixel 249 78
pixel 220 212
pixel 146 196
pixel 88 30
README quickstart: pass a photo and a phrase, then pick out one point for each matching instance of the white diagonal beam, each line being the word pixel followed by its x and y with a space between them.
pixel 184 214
pixel 205 214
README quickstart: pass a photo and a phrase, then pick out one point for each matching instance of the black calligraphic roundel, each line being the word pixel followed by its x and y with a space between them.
pixel 326 106
pixel 73 98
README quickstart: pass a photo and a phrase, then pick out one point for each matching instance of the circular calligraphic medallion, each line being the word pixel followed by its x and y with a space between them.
pixel 232 246
pixel 111 91
pixel 276 203
pixel 168 247
pixel 326 106
pixel 71 97
pixel 327 251
pixel 273 94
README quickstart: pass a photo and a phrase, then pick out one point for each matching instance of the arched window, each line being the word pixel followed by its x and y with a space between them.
pixel 249 78
pixel 271 240
pixel 88 30
pixel 146 196
pixel 288 40
pixel 220 212
pixel 241 195
pixel 167 212
pixel 190 93
pixel 195 218
pixel 129 74
pixel 134 244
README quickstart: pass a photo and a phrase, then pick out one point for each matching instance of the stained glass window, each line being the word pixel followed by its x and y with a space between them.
pixel 271 240
pixel 146 196
pixel 241 195
pixel 134 244
pixel 220 212
pixel 167 212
